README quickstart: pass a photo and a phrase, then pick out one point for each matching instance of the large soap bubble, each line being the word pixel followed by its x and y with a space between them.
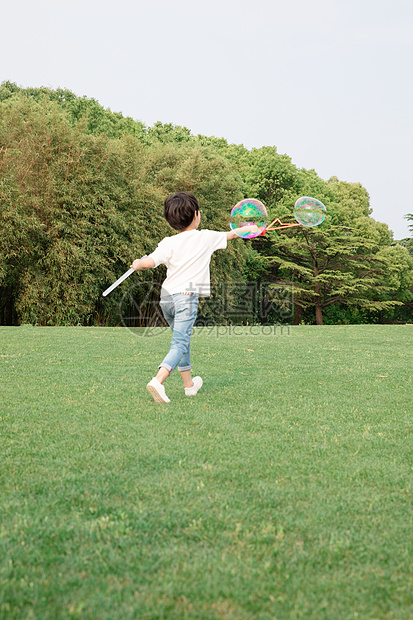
pixel 309 211
pixel 247 212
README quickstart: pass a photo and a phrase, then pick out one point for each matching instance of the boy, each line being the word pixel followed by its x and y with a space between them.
pixel 187 256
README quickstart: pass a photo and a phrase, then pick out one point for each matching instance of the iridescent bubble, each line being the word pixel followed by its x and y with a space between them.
pixel 309 211
pixel 249 211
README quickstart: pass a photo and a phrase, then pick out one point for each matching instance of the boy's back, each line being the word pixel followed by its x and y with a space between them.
pixel 187 256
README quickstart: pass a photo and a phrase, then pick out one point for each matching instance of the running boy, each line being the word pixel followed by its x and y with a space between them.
pixel 187 256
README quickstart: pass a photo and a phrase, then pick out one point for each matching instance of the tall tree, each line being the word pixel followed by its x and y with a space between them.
pixel 87 112
pixel 75 208
pixel 408 243
pixel 342 260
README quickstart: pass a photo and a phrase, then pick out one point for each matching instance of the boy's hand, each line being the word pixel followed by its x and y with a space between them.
pixel 250 228
pixel 136 264
pixel 143 263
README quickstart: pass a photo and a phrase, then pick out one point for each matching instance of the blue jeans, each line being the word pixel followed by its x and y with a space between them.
pixel 180 312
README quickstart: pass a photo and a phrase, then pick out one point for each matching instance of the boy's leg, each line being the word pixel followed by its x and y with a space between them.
pixel 191 386
pixel 167 308
pixel 185 312
pixel 185 365
pixel 155 386
pixel 181 316
pixel 163 373
pixel 184 368
pixel 186 378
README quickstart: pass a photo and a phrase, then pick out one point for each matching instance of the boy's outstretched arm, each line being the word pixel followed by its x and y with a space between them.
pixel 232 234
pixel 143 263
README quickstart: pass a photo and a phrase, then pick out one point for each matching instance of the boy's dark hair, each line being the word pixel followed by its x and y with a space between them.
pixel 180 209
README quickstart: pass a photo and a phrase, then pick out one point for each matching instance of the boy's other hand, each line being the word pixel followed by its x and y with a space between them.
pixel 136 264
pixel 143 263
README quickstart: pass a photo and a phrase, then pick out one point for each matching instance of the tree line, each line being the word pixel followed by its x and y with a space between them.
pixel 81 194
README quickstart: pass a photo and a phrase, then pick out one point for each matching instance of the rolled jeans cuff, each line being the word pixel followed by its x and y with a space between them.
pixel 180 368
pixel 167 366
pixel 183 368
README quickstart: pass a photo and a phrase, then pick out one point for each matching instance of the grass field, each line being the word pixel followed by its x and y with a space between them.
pixel 282 490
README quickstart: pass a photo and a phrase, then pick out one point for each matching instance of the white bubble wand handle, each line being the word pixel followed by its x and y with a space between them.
pixel 119 280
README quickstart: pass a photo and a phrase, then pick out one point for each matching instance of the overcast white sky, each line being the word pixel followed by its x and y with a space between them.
pixel 329 82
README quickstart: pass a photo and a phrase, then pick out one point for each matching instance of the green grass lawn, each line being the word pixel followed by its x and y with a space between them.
pixel 282 490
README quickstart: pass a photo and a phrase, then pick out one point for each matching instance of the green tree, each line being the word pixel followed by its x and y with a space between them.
pixel 345 260
pixel 59 203
pixel 76 208
pixel 81 193
pixel 408 243
pixel 167 132
pixel 93 118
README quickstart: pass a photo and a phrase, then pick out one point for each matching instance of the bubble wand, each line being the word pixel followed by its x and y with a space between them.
pixel 308 212
pixel 119 281
pixel 281 226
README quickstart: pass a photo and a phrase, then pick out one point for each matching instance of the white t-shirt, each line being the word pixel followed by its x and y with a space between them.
pixel 187 256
